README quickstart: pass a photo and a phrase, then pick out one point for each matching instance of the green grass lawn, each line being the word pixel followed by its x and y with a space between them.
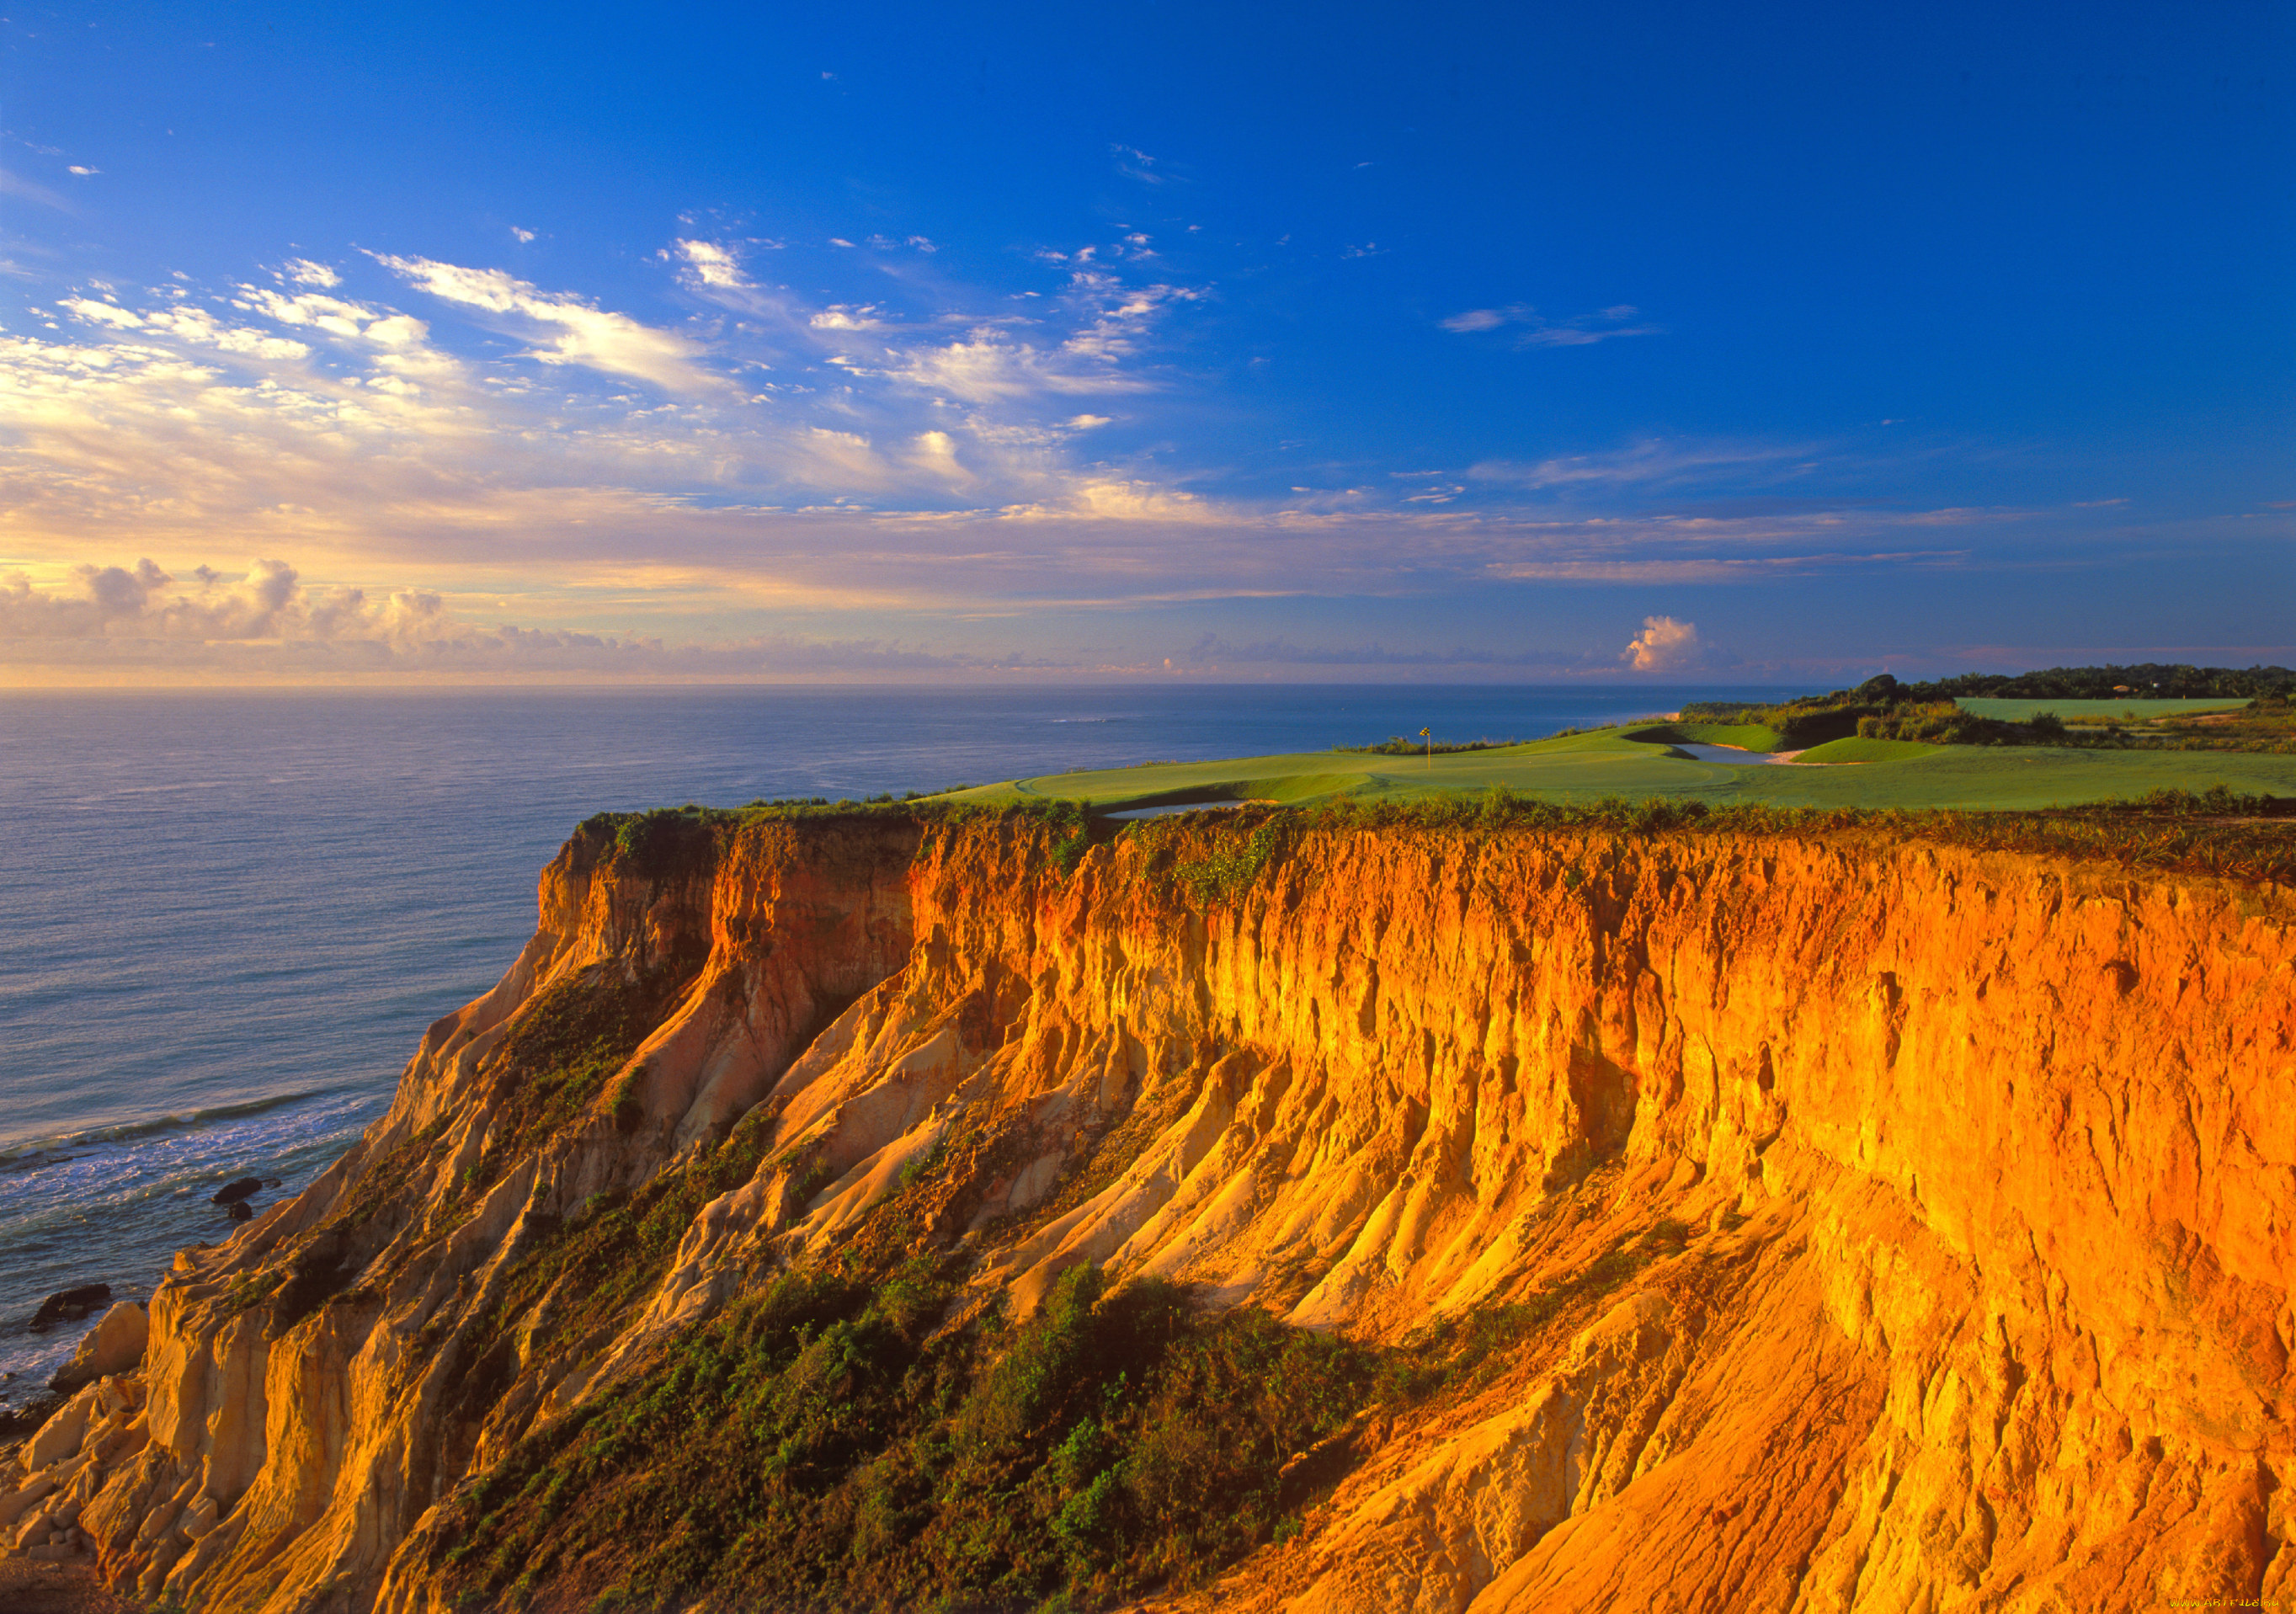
pixel 2096 711
pixel 1581 768
pixel 1853 749
pixel 1745 736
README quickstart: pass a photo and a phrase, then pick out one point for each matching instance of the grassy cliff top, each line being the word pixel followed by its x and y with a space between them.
pixel 1642 762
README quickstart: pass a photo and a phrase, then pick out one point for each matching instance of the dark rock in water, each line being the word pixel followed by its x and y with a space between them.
pixel 240 1211
pixel 232 1194
pixel 70 1306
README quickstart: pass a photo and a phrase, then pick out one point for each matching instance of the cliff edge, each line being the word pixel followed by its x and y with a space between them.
pixel 875 1211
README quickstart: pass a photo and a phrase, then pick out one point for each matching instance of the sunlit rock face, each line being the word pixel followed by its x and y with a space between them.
pixel 1959 1190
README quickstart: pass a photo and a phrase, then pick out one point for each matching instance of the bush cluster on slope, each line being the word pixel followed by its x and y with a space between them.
pixel 1882 708
pixel 2150 680
pixel 821 1445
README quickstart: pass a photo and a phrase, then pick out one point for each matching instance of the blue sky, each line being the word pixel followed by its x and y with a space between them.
pixel 1465 342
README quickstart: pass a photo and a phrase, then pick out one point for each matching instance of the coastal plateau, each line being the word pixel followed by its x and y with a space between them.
pixel 1264 1211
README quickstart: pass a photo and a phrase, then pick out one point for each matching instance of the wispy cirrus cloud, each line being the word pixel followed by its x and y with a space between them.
pixel 1693 568
pixel 1212 651
pixel 28 190
pixel 1648 463
pixel 1532 329
pixel 1133 163
pixel 573 330
pixel 823 470
pixel 301 415
pixel 988 366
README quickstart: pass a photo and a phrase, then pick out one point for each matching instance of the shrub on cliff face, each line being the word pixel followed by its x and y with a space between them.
pixel 559 1056
pixel 1215 863
pixel 823 1447
pixel 2219 832
pixel 664 843
pixel 1071 826
pixel 830 1445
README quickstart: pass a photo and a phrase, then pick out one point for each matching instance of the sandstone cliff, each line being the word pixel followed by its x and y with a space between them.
pixel 1663 1219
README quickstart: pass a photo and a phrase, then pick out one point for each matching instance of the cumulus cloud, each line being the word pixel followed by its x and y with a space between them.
pixel 1664 645
pixel 194 325
pixel 936 453
pixel 268 602
pixel 713 265
pixel 267 624
pixel 837 317
pixel 332 316
pixel 105 313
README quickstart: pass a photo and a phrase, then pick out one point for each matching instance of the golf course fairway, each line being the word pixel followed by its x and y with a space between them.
pixel 1638 763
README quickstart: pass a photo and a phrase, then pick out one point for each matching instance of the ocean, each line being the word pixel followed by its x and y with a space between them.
pixel 225 918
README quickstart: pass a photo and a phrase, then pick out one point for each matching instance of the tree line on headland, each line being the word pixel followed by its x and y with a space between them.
pixel 1882 707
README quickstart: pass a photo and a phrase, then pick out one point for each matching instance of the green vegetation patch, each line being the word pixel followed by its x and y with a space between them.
pixel 2097 711
pixel 397 1177
pixel 1225 871
pixel 1586 769
pixel 568 1043
pixel 1404 745
pixel 603 1260
pixel 820 1446
pixel 2163 680
pixel 1745 736
pixel 2217 832
pixel 660 843
pixel 833 1444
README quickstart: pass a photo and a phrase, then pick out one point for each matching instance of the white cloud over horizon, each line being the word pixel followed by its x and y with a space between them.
pixel 266 624
pixel 1664 645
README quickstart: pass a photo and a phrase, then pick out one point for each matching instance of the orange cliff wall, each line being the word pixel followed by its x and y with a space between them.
pixel 1977 1172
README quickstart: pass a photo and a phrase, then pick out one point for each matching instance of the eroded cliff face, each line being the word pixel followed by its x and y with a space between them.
pixel 1877 1224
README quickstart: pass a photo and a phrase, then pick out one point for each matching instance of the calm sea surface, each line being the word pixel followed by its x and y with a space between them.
pixel 226 919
